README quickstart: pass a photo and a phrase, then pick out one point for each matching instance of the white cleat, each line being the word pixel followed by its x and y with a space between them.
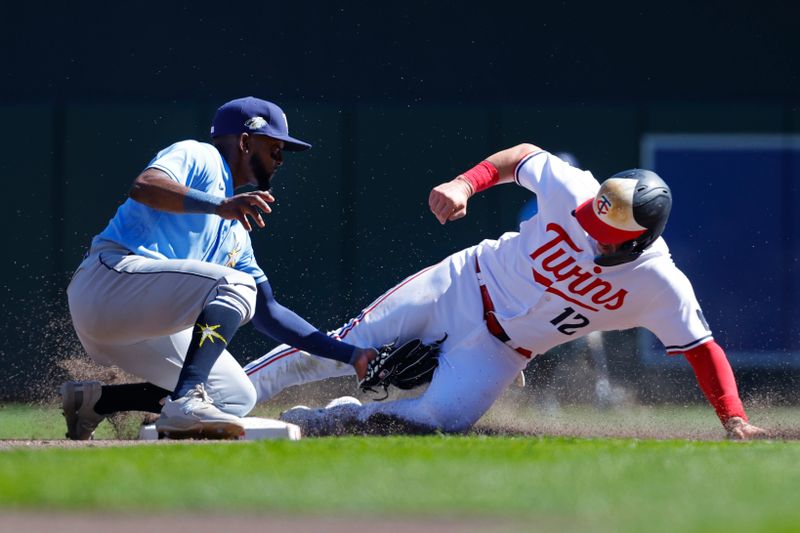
pixel 344 400
pixel 519 381
pixel 78 399
pixel 194 416
pixel 305 418
pixel 339 417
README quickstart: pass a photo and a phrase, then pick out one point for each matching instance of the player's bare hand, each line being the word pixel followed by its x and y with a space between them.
pixel 361 358
pixel 448 201
pixel 245 206
pixel 738 429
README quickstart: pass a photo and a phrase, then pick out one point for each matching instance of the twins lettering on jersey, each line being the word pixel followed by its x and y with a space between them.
pixel 554 264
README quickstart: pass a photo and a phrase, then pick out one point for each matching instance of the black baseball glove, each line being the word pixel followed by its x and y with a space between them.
pixel 406 366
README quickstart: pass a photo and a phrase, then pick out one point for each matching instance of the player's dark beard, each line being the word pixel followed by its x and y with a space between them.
pixel 262 175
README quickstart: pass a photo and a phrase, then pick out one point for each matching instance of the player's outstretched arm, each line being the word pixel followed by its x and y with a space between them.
pixel 155 189
pixel 285 326
pixel 448 201
pixel 715 377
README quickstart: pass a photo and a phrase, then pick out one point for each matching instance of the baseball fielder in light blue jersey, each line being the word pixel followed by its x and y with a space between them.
pixel 168 282
pixel 163 235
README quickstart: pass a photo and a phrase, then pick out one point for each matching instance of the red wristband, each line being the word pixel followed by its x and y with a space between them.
pixel 482 176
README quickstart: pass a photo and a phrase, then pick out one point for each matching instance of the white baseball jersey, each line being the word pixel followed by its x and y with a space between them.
pixel 545 288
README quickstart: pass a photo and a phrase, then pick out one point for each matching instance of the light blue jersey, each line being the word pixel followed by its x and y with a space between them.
pixel 161 235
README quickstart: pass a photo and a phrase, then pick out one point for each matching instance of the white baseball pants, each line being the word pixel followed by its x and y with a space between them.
pixel 474 367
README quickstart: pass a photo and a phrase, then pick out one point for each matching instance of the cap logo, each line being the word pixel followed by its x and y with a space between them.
pixel 603 205
pixel 255 123
pixel 614 204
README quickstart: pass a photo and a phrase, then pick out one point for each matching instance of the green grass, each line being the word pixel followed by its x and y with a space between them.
pixel 557 483
pixel 606 484
pixel 19 421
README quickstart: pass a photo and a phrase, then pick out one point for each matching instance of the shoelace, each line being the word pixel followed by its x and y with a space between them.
pixel 200 393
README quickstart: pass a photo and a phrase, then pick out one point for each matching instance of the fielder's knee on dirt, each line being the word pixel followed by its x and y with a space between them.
pixel 237 291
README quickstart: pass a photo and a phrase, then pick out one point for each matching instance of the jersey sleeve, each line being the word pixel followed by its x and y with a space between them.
pixel 675 317
pixel 187 163
pixel 554 180
pixel 247 262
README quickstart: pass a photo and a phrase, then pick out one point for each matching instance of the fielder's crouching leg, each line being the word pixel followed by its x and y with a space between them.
pixel 237 291
pixel 237 397
pixel 230 387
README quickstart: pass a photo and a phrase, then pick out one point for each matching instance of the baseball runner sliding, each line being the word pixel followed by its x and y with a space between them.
pixel 592 259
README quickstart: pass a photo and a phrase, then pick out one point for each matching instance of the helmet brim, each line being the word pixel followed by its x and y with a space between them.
pixel 600 231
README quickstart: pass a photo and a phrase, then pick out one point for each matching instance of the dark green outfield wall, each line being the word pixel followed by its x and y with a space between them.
pixel 400 52
pixel 395 98
pixel 351 217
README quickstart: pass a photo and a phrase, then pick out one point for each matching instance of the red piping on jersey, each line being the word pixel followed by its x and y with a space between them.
pixel 715 377
pixel 353 323
pixel 347 328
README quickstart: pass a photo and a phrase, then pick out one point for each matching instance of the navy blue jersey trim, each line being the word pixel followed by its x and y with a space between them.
pixel 185 273
pixel 214 287
pixel 700 340
pixel 522 162
pixel 166 171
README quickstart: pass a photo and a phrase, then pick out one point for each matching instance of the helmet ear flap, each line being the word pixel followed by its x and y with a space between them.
pixel 652 206
pixel 625 253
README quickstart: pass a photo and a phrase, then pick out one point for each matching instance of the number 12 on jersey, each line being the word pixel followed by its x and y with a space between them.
pixel 576 321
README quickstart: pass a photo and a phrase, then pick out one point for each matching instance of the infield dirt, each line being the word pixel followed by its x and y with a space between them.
pixel 202 523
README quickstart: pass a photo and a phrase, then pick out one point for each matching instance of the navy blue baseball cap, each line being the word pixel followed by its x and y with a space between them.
pixel 255 116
